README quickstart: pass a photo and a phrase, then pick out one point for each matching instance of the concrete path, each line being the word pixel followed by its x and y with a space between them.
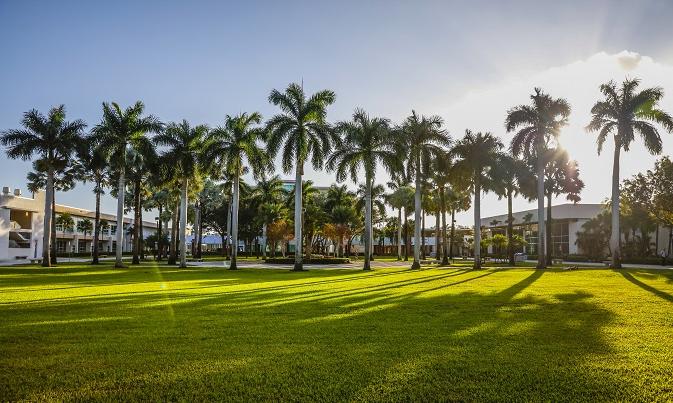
pixel 356 265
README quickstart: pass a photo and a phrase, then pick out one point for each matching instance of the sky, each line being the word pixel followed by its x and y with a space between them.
pixel 467 62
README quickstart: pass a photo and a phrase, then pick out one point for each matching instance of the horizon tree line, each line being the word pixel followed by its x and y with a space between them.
pixel 171 166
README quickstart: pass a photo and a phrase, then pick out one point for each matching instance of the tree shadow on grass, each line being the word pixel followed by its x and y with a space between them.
pixel 661 294
pixel 431 335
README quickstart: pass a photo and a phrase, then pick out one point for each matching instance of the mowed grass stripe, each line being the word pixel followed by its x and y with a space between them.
pixel 159 333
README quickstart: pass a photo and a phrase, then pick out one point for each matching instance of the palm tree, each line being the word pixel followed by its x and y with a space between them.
pixel 377 200
pixel 269 193
pixel 423 139
pixel 118 130
pixel 441 166
pixel 84 226
pixel 366 142
pixel 159 199
pixel 457 198
pixel 397 200
pixel 185 150
pixel 623 112
pixel 53 139
pixel 537 124
pixel 302 131
pixel 477 156
pixel 509 177
pixel 233 144
pixel 94 165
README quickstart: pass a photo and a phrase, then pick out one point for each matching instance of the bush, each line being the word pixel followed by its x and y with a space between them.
pixel 313 260
pixel 642 260
pixel 100 253
pixel 577 258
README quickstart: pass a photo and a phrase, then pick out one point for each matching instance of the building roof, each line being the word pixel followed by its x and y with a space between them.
pixel 36 205
pixel 584 211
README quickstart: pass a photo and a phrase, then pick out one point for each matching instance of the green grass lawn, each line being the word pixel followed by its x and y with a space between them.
pixel 156 333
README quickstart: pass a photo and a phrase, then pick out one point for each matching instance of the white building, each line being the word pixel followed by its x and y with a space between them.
pixel 567 221
pixel 22 224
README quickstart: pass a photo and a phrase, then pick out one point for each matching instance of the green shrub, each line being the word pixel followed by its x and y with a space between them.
pixel 313 260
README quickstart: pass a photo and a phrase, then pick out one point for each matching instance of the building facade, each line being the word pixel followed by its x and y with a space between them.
pixel 22 224
pixel 567 221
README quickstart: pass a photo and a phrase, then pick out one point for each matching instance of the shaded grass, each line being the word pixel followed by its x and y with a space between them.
pixel 159 333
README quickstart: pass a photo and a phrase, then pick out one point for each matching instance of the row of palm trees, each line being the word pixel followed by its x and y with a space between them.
pixel 418 150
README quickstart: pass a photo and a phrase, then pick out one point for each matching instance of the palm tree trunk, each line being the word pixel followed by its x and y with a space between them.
pixel 160 233
pixel 264 241
pixel 96 228
pixel 445 255
pixel 234 224
pixel 548 238
pixel 406 236
pixel 510 229
pixel 183 223
pixel 371 228
pixel 46 236
pixel 54 259
pixel 136 223
pixel 453 232
pixel 298 264
pixel 142 239
pixel 438 233
pixel 399 234
pixel 614 236
pixel 229 212
pixel 121 187
pixel 477 223
pixel 199 231
pixel 368 224
pixel 422 230
pixel 173 244
pixel 417 218
pixel 540 211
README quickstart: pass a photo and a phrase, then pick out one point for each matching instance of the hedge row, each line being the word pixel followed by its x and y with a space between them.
pixel 314 260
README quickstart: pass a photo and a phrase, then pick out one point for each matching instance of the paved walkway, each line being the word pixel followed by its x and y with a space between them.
pixel 356 265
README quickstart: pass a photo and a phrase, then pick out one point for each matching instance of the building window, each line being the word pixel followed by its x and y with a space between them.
pixel 61 246
pixel 81 246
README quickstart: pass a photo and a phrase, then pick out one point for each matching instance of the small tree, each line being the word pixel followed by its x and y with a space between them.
pixel 84 226
pixel 498 241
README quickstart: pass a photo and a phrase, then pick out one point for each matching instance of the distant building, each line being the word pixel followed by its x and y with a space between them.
pixel 22 224
pixel 567 221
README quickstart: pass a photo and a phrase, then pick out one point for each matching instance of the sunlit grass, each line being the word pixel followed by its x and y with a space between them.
pixel 79 332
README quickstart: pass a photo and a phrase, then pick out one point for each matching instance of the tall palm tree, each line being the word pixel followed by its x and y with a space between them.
pixel 442 165
pixel 377 203
pixel 537 125
pixel 65 177
pixel 303 133
pixel 234 144
pixel 397 200
pixel 365 143
pixel 477 156
pixel 508 179
pixel 53 139
pixel 118 131
pixel 185 149
pixel 94 165
pixel 624 112
pixel 140 163
pixel 269 193
pixel 159 199
pixel 423 139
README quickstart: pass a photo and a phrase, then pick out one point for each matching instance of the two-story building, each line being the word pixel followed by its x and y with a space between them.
pixel 22 224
